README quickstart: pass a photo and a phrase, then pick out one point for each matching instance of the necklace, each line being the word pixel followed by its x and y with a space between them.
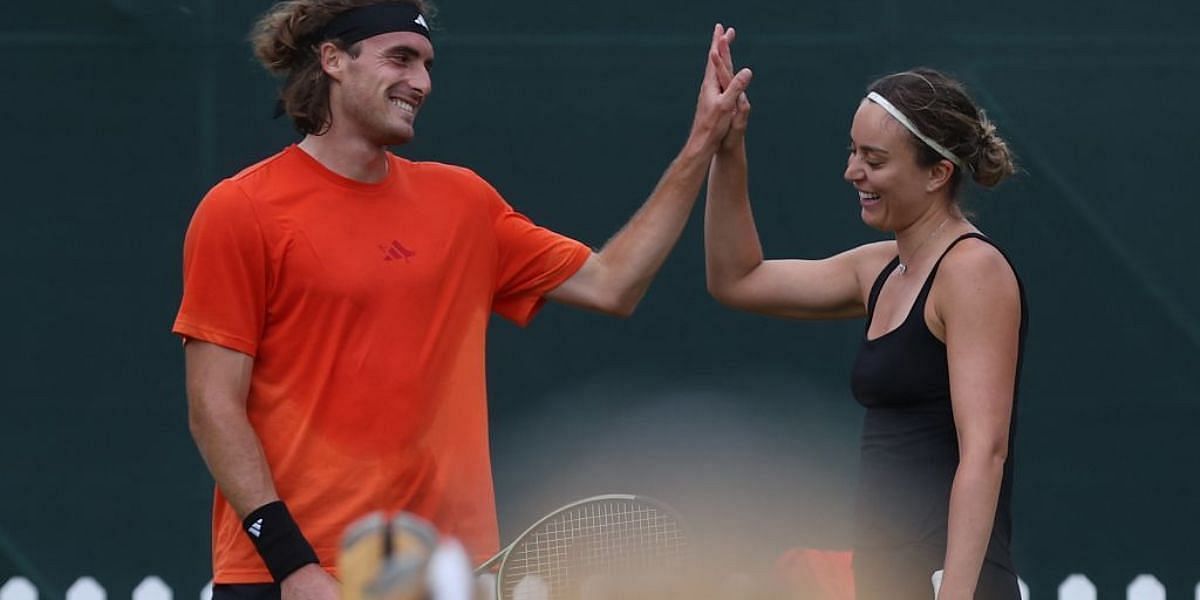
pixel 902 268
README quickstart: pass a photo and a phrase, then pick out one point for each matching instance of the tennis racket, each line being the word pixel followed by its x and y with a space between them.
pixel 614 537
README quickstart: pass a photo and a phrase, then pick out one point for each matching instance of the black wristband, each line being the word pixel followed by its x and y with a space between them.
pixel 278 539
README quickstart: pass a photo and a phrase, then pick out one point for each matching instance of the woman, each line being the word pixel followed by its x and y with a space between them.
pixel 938 367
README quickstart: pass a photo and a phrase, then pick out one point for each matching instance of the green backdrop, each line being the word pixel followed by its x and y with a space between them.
pixel 118 116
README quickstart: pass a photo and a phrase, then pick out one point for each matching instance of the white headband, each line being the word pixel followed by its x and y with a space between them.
pixel 899 116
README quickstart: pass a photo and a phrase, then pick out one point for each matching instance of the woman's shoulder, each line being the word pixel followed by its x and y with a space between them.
pixel 976 270
pixel 975 255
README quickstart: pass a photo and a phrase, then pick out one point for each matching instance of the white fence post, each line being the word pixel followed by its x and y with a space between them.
pixel 1076 587
pixel 18 588
pixel 86 588
pixel 152 588
pixel 206 592
pixel 1146 587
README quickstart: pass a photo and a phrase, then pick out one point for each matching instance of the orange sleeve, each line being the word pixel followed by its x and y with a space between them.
pixel 533 261
pixel 225 273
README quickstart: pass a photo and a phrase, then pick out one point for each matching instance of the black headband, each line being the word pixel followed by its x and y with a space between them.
pixel 360 23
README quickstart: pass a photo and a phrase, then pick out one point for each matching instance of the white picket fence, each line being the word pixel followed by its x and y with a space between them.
pixel 87 588
pixel 1075 587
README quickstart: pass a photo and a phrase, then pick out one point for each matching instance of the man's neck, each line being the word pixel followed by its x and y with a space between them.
pixel 351 157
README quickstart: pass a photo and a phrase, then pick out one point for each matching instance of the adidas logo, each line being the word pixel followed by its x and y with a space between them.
pixel 420 20
pixel 256 529
pixel 396 251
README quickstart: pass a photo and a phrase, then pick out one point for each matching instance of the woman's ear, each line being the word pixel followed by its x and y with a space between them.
pixel 939 175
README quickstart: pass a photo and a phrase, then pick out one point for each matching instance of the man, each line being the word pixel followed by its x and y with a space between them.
pixel 336 299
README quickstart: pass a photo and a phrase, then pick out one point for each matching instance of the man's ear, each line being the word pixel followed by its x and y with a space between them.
pixel 333 59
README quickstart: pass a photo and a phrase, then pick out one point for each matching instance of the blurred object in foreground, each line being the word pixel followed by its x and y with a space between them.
pixel 818 574
pixel 401 559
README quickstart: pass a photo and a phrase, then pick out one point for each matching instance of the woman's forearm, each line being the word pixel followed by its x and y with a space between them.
pixel 973 499
pixel 731 243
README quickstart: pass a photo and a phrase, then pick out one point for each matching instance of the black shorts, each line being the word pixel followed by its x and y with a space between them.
pixel 245 591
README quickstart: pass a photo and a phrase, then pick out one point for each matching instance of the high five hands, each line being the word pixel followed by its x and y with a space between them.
pixel 722 110
pixel 720 59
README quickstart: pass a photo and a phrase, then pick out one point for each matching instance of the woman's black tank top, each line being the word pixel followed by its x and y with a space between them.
pixel 909 447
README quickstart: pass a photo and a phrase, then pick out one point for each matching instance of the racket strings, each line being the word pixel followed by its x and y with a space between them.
pixel 602 539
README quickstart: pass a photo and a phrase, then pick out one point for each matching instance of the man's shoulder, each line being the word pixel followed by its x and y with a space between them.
pixel 453 181
pixel 442 170
pixel 237 193
pixel 260 170
pixel 282 175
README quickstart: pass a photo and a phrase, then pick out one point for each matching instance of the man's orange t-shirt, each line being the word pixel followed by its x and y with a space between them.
pixel 365 307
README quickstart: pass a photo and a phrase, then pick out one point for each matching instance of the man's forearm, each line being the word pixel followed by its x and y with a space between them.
pixel 218 381
pixel 615 279
pixel 234 456
pixel 634 255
